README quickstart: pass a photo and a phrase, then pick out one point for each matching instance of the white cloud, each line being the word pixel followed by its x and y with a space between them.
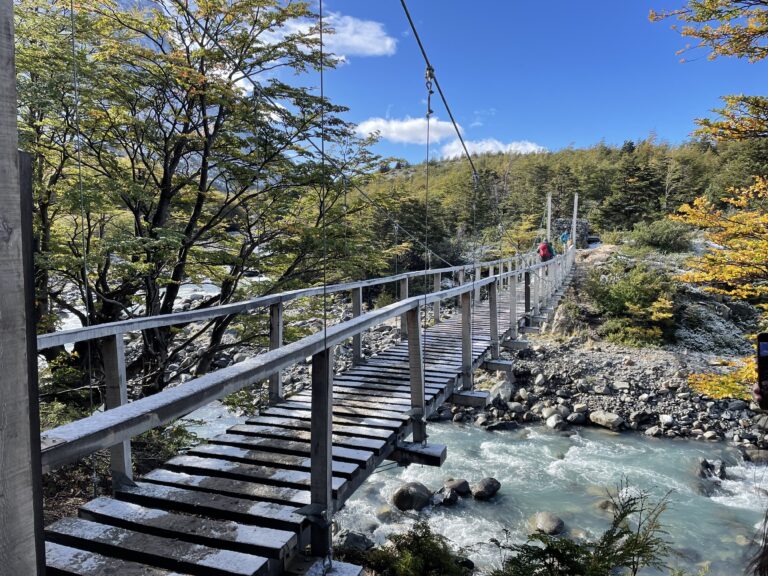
pixel 355 37
pixel 350 36
pixel 407 130
pixel 489 146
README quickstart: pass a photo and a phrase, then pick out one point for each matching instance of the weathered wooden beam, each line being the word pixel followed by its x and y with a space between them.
pixel 113 351
pixel 21 544
pixel 276 393
pixel 418 453
pixel 403 320
pixel 357 339
pixel 527 296
pixel 436 279
pixel 513 307
pixel 416 366
pixel 466 340
pixel 493 306
pixel 478 275
pixel 320 450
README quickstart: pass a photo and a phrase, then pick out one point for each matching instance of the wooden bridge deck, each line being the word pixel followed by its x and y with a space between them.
pixel 229 506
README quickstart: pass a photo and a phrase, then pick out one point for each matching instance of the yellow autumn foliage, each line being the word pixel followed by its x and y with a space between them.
pixel 737 264
pixel 734 384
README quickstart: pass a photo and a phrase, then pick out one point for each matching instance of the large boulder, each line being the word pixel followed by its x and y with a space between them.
pixel 502 426
pixel 556 422
pixel 486 488
pixel 546 522
pixel 352 541
pixel 412 496
pixel 606 419
pixel 460 485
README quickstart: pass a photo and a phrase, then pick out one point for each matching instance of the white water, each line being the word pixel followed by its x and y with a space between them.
pixel 543 470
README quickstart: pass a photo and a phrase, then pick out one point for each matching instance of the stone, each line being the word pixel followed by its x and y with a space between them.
pixel 546 522
pixel 577 418
pixel 548 411
pixel 737 405
pixel 502 426
pixel 412 496
pixel 556 422
pixel 602 389
pixel 761 422
pixel 579 408
pixel 481 420
pixel 459 485
pixel 385 513
pixel 539 380
pixel 755 455
pixel 450 497
pixel 352 541
pixel 621 385
pixel 485 489
pixel 515 407
pixel 666 420
pixel 606 419
pixel 712 469
pixel 710 435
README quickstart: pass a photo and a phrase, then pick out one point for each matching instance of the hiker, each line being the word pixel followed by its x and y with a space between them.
pixel 546 252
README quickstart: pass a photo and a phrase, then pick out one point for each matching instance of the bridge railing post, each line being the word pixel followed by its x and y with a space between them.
pixel 437 279
pixel 493 305
pixel 357 339
pixel 416 368
pixel 513 306
pixel 116 383
pixel 321 434
pixel 403 320
pixel 466 340
pixel 478 275
pixel 527 296
pixel 276 393
pixel 461 283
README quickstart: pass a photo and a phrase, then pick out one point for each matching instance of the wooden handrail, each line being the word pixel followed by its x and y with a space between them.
pixel 84 333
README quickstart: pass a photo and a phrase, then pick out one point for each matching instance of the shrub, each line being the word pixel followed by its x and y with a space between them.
pixel 663 235
pixel 735 384
pixel 612 236
pixel 635 540
pixel 638 301
pixel 418 552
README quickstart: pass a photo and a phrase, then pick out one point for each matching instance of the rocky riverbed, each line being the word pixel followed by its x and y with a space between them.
pixel 562 385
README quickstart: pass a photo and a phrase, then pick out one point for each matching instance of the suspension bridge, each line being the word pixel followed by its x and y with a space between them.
pixel 260 498
pixel 251 500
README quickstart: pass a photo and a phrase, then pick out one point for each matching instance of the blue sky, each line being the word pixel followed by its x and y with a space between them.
pixel 520 73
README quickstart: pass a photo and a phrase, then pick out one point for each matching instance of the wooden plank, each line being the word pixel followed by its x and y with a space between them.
pixel 263 458
pixel 359 399
pixel 65 560
pixel 362 457
pixel 229 487
pixel 339 411
pixel 154 550
pixel 214 505
pixel 375 445
pixel 340 429
pixel 271 476
pixel 221 534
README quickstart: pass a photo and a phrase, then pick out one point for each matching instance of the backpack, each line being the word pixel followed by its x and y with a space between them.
pixel 544 252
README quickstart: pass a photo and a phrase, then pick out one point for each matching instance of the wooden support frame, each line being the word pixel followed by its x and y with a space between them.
pixel 478 276
pixel 466 341
pixel 321 483
pixel 527 296
pixel 436 286
pixel 513 326
pixel 403 320
pixel 113 357
pixel 493 304
pixel 357 339
pixel 276 392
pixel 416 366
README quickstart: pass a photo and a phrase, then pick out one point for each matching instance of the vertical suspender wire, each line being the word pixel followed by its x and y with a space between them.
pixel 328 560
pixel 83 220
pixel 427 255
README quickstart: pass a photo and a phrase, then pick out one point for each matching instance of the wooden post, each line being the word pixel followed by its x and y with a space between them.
pixel 513 306
pixel 321 434
pixel 21 538
pixel 478 276
pixel 466 340
pixel 527 289
pixel 113 351
pixel 493 304
pixel 549 217
pixel 403 320
pixel 436 287
pixel 461 282
pixel 276 341
pixel 573 224
pixel 416 364
pixel 357 339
